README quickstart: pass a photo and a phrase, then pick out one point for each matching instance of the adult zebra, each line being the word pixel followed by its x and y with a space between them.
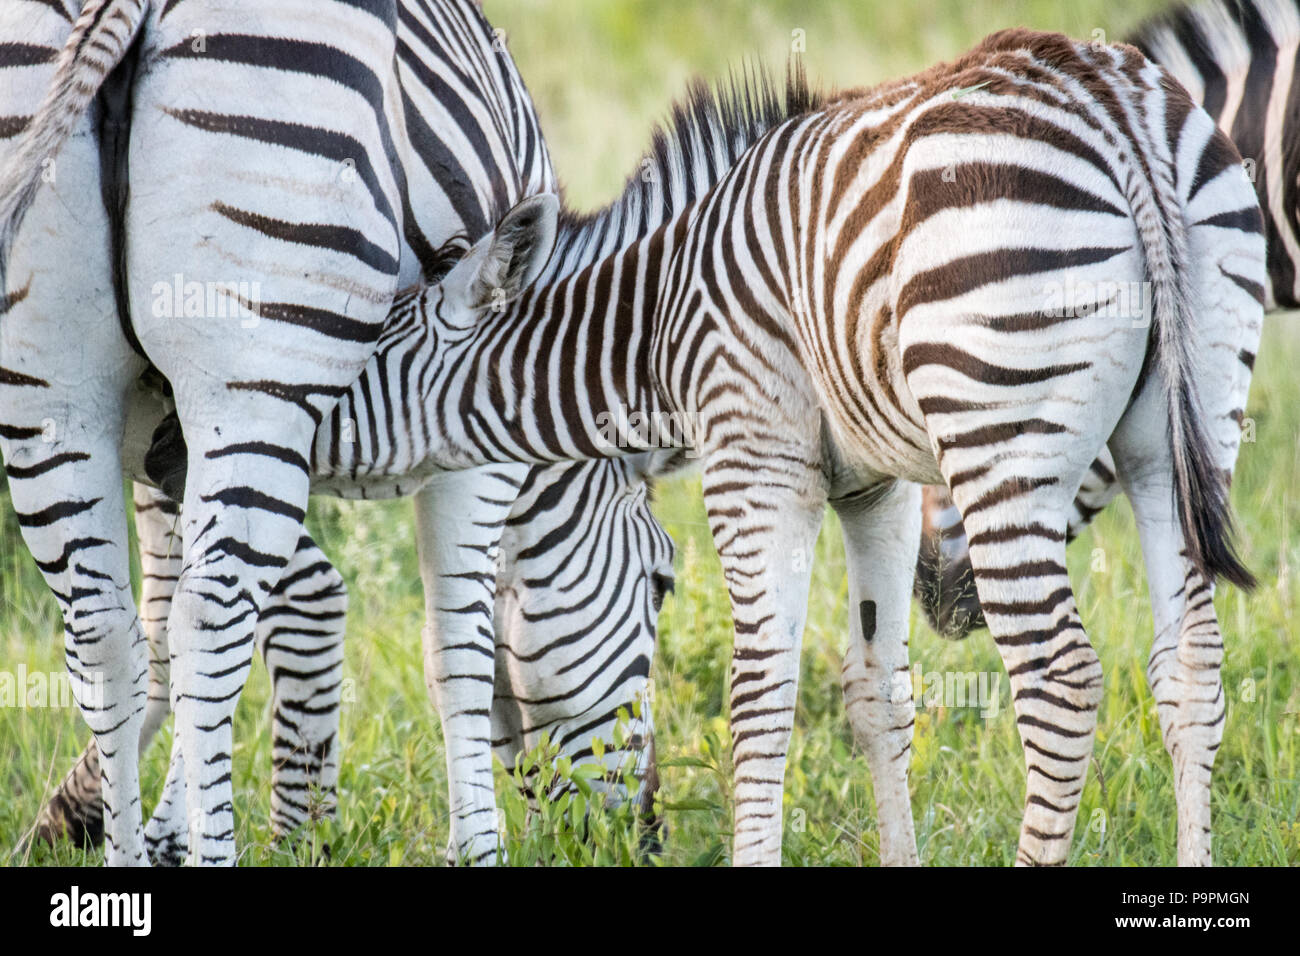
pixel 812 316
pixel 474 146
pixel 1237 59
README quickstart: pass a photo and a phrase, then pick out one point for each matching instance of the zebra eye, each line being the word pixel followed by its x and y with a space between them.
pixel 662 584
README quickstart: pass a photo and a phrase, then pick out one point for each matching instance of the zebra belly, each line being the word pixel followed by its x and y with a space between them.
pixel 373 487
pixel 874 429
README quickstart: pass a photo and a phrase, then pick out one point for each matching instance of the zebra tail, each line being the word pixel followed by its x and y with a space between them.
pixel 102 35
pixel 1200 487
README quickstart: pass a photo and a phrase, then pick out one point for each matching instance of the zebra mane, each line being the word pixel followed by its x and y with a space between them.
pixel 1211 31
pixel 705 133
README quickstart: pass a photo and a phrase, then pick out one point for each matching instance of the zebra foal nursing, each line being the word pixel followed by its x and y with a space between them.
pixel 813 315
pixel 450 138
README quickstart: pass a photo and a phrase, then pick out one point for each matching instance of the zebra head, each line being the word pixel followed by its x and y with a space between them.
pixel 575 643
pixel 452 326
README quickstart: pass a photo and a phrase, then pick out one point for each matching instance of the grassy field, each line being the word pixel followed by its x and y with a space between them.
pixel 602 71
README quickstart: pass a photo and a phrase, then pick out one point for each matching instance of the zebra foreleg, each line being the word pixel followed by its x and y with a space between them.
pixel 459 521
pixel 157 521
pixel 881 534
pixel 165 834
pixel 764 528
pixel 300 636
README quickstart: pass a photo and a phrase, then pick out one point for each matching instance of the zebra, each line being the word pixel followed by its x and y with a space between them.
pixel 1236 58
pixel 813 328
pixel 454 76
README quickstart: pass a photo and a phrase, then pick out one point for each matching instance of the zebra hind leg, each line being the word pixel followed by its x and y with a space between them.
pixel 1017 548
pixel 76 811
pixel 881 530
pixel 69 505
pixel 245 501
pixel 1184 668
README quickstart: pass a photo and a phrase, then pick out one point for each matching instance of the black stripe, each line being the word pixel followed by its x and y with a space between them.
pixel 941 353
pixel 25 54
pixel 265 449
pixel 328 144
pixel 56 512
pixel 33 471
pixel 18 379
pixel 324 321
pixel 968 273
pixel 1246 220
pixel 340 239
pixel 58 7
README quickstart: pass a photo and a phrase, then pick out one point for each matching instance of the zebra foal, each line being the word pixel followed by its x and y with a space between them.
pixel 814 318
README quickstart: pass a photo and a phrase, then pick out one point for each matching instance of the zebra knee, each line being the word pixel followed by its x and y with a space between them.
pixel 107 659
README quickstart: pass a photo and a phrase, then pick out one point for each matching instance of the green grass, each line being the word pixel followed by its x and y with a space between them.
pixel 601 72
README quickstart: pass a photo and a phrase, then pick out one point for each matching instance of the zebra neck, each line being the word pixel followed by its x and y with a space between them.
pixel 566 372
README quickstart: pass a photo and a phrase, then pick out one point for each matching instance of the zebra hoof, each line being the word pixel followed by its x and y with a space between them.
pixel 166 850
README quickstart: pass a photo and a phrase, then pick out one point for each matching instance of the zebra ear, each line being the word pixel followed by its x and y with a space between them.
pixel 506 261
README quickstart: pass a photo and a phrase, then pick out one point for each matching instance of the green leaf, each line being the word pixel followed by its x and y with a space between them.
pixel 693 805
pixel 686 762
